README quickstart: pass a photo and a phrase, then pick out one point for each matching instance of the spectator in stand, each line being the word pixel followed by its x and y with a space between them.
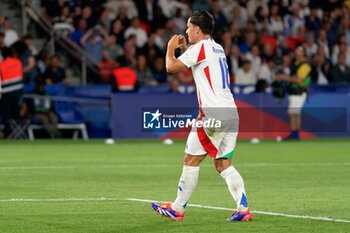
pixel 151 50
pixel 169 7
pixel 322 42
pixel 42 60
pixel 80 31
pixel 227 7
pixel 267 52
pixel 340 73
pixel 2 19
pixel 304 9
pixel 254 5
pixel 123 17
pixel 28 40
pixel 341 48
pixel 72 5
pixel 88 15
pixel 134 29
pixel 292 22
pixel 159 18
pixel 331 35
pixel 170 29
pixel 266 71
pixel 126 8
pixel 2 45
pixel 326 67
pixel 182 82
pixel 248 43
pixel 219 18
pixel 179 22
pixel 64 17
pixel 200 5
pixel 107 18
pixel 286 65
pixel 54 73
pixel 94 41
pixel 234 60
pixel 345 28
pixel 160 40
pixel 11 35
pixel 245 75
pixel 236 35
pixel 146 10
pixel 112 51
pixel 237 17
pixel 64 22
pixel 310 47
pixel 130 51
pixel 43 111
pixel 117 29
pixel 51 9
pixel 186 77
pixel 281 49
pixel 260 17
pixel 275 21
pixel 225 40
pixel 174 84
pixel 144 74
pixel 250 27
pixel 317 74
pixel 253 57
pixel 159 72
pixel 312 21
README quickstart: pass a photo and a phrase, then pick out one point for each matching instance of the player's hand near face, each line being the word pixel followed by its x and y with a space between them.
pixel 183 43
pixel 177 41
pixel 172 64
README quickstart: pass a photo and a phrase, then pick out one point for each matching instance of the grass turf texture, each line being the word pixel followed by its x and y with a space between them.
pixel 309 177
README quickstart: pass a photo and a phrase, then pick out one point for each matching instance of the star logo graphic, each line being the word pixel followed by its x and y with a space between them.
pixel 156 115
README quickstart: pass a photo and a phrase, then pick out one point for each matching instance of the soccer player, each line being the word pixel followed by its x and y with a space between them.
pixel 209 68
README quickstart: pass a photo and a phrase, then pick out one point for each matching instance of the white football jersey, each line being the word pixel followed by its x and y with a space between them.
pixel 210 71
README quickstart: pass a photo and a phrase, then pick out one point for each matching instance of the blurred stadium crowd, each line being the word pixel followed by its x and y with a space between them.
pixel 258 37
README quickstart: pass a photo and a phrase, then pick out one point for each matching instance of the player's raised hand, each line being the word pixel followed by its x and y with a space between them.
pixel 183 43
pixel 175 42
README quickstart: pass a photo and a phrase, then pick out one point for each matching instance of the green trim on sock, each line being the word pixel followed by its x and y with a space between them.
pixel 228 155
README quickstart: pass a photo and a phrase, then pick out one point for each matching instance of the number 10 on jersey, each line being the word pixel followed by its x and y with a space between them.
pixel 224 73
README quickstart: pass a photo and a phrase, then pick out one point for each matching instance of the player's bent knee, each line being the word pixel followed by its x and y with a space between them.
pixel 222 164
pixel 193 160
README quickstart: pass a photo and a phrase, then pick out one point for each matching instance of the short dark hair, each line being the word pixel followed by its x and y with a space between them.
pixel 204 20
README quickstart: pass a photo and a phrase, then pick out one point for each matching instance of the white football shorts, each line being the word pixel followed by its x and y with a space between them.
pixel 217 142
pixel 296 103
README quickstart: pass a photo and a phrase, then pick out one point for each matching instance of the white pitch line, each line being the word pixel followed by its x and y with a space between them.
pixel 174 165
pixel 154 201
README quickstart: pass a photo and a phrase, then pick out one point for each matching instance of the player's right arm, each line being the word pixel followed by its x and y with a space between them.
pixel 172 64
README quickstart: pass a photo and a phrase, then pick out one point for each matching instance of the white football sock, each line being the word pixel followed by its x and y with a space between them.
pixel 236 186
pixel 187 184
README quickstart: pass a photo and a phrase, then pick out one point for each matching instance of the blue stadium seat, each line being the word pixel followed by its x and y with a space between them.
pixel 66 112
pixel 29 88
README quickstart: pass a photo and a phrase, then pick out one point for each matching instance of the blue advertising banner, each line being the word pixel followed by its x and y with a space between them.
pixel 261 115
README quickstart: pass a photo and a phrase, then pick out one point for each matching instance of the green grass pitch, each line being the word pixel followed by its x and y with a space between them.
pixel 309 177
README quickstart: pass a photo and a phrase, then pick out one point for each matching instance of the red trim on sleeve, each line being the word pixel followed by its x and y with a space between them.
pixel 201 55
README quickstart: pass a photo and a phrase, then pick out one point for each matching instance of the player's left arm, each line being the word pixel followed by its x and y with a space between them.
pixel 172 64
